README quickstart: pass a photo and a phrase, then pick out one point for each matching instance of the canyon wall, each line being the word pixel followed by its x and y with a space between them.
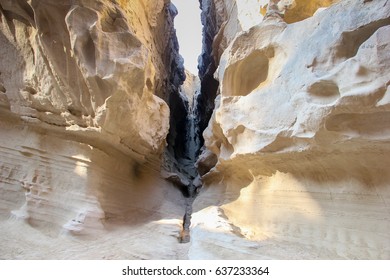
pixel 298 144
pixel 294 100
pixel 84 93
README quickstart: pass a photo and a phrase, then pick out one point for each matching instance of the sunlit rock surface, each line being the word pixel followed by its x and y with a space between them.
pixel 296 157
pixel 84 87
pixel 92 68
pixel 301 132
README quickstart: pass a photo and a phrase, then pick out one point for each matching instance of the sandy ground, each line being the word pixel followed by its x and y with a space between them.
pixel 154 240
pixel 283 217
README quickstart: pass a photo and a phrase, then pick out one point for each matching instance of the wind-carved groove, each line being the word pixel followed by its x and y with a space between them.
pixel 362 125
pixel 351 41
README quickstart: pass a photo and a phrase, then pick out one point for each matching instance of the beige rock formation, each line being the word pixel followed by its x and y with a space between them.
pixel 81 66
pixel 296 157
pixel 61 199
pixel 301 134
pixel 232 17
pixel 83 124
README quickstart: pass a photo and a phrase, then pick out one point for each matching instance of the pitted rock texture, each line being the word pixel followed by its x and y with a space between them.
pixel 84 87
pixel 296 157
pixel 94 68
pixel 301 133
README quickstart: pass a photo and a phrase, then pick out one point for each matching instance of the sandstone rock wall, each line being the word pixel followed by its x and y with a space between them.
pixel 301 135
pixel 296 157
pixel 91 68
pixel 84 87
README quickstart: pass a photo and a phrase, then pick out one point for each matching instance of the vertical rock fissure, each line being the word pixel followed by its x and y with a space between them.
pixel 207 65
pixel 191 110
pixel 183 147
pixel 193 136
pixel 200 109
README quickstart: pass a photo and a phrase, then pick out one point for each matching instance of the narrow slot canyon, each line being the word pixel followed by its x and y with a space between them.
pixel 119 139
pixel 191 108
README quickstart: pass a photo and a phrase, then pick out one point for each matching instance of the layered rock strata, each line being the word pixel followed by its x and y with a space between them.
pixel 300 136
pixel 84 93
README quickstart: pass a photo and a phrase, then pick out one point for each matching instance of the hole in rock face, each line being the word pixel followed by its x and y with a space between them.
pixel 248 74
pixel 324 88
pixel 74 111
pixel 30 90
pixel 2 89
pixel 324 92
pixel 113 21
pixel 149 84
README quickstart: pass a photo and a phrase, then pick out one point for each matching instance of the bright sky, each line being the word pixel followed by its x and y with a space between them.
pixel 189 32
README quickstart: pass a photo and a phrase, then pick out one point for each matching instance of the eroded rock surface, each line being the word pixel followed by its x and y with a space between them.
pixel 301 133
pixel 84 87
pixel 92 68
pixel 296 157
